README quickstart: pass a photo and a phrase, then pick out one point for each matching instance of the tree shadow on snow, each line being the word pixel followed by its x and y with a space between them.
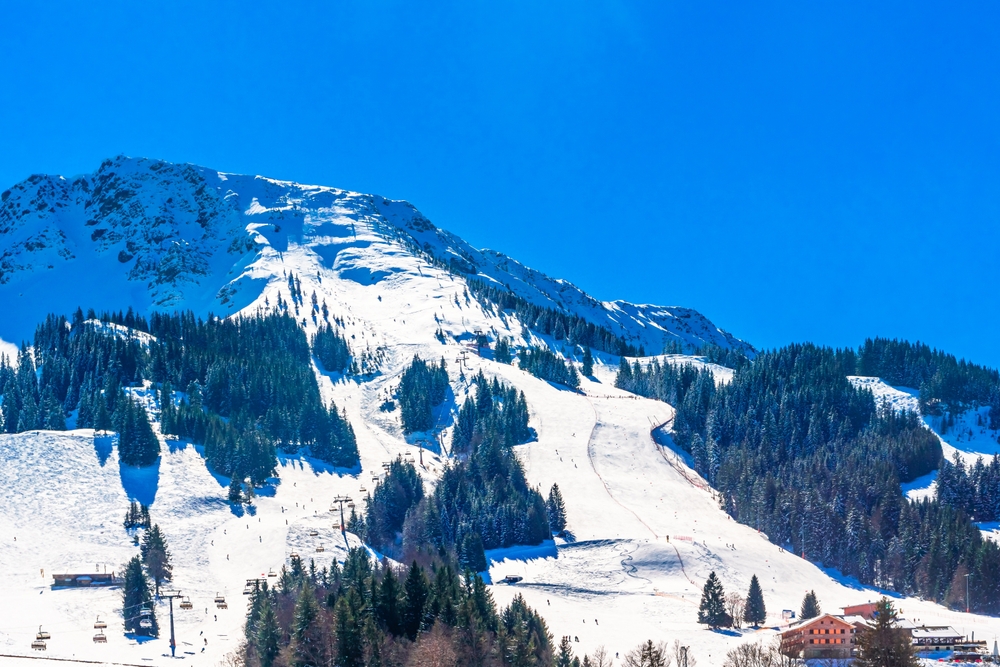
pixel 729 632
pixel 103 446
pixel 316 466
pixel 141 484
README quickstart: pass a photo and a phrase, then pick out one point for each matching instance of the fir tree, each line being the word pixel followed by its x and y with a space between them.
pixel 156 557
pixel 268 635
pixel 350 644
pixel 136 598
pixel 416 598
pixel 235 494
pixel 883 644
pixel 810 606
pixel 502 352
pixel 556 509
pixel 712 610
pixel 754 612
pixel 308 648
pixel 587 368
pixel 137 444
pixel 388 605
pixel 564 658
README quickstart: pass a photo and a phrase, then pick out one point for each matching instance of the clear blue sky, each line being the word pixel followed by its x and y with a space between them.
pixel 796 171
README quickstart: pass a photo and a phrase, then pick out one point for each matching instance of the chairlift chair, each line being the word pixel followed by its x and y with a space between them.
pixel 145 624
pixel 100 638
pixel 320 549
pixel 38 645
pixel 99 624
pixel 363 490
pixel 313 533
pixel 293 556
pixel 186 603
pixel 42 634
pixel 272 573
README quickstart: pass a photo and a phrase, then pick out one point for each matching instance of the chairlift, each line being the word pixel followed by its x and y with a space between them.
pixel 42 634
pixel 350 506
pixel 220 599
pixel 293 555
pixel 99 624
pixel 146 624
pixel 363 490
pixel 186 603
pixel 320 549
pixel 38 645
pixel 145 613
pixel 100 638
pixel 313 533
pixel 272 573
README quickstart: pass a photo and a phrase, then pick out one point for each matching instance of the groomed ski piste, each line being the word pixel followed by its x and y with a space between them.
pixel 644 528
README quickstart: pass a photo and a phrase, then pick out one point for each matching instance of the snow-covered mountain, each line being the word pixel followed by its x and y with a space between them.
pixel 155 235
pixel 645 528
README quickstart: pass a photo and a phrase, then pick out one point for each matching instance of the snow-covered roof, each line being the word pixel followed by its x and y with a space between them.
pixel 941 632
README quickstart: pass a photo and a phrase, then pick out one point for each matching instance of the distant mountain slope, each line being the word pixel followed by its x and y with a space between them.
pixel 155 235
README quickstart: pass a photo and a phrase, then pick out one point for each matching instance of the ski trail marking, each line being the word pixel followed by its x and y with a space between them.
pixel 593 466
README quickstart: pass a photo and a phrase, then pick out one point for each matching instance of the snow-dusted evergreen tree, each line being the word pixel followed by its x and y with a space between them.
pixel 754 612
pixel 712 609
pixel 156 556
pixel 556 510
pixel 810 606
pixel 883 644
pixel 587 368
pixel 137 444
pixel 136 597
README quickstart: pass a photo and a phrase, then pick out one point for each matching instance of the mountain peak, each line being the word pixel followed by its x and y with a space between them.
pixel 151 234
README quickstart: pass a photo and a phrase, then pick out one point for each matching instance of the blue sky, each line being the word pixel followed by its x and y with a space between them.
pixel 796 171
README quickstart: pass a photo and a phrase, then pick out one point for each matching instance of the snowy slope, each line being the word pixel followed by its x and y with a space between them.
pixel 64 494
pixel 152 234
pixel 969 437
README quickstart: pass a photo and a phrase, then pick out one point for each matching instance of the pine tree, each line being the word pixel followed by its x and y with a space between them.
pixel 810 606
pixel 502 352
pixel 308 643
pixel 556 509
pixel 754 612
pixel 564 658
pixel 136 597
pixel 588 362
pixel 156 556
pixel 388 605
pixel 883 644
pixel 416 598
pixel 268 634
pixel 712 610
pixel 235 494
pixel 350 645
pixel 102 418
